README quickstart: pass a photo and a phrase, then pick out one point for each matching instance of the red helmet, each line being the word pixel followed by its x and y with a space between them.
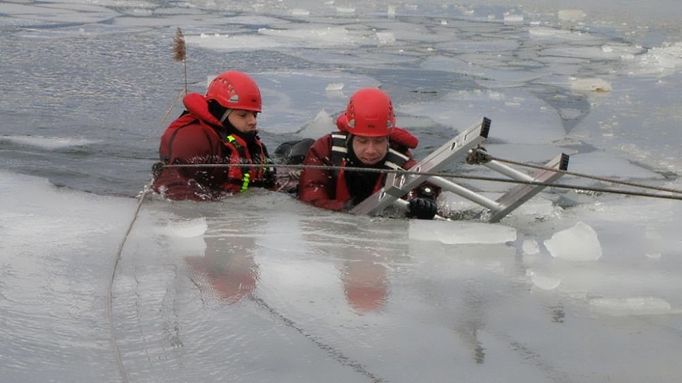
pixel 235 90
pixel 370 113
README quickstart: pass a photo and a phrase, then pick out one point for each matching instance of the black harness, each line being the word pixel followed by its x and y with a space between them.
pixel 394 159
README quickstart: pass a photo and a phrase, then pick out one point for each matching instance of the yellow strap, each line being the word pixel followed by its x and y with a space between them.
pixel 231 138
pixel 245 182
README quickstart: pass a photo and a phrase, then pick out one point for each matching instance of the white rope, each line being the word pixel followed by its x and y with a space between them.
pixel 110 287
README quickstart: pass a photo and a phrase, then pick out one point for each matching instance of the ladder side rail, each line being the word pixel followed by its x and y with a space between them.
pixel 508 171
pixel 465 193
pixel 522 193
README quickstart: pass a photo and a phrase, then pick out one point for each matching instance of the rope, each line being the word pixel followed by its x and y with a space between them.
pixel 583 175
pixel 467 177
pixel 109 295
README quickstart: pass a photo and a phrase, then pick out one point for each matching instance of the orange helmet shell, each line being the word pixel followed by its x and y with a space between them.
pixel 370 113
pixel 235 90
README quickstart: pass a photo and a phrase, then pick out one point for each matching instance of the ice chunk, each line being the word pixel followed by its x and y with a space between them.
pixel 631 306
pixel 571 15
pixel 313 35
pixel 513 18
pixel 545 33
pixel 300 12
pixel 318 127
pixel 345 10
pixel 231 43
pixel 334 87
pixel 661 60
pixel 386 38
pixel 185 229
pixel 538 208
pixel 460 232
pixel 391 11
pixel 578 243
pixel 590 85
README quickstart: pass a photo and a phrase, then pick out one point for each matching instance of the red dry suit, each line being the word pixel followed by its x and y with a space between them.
pixel 197 137
pixel 329 189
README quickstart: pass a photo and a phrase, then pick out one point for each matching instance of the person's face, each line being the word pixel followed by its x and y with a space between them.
pixel 370 150
pixel 243 120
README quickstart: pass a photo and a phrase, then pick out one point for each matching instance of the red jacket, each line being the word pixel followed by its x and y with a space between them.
pixel 196 138
pixel 326 188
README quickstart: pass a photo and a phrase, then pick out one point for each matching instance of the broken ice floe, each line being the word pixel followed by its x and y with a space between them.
pixel 578 243
pixel 571 15
pixel 597 85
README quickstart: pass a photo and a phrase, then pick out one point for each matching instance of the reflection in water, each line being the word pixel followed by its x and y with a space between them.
pixel 365 284
pixel 479 350
pixel 227 266
pixel 558 313
pixel 363 256
pixel 231 276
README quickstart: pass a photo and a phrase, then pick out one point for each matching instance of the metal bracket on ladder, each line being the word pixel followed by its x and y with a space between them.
pixel 397 185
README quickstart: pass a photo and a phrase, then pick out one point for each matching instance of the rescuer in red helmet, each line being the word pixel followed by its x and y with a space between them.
pixel 367 138
pixel 217 128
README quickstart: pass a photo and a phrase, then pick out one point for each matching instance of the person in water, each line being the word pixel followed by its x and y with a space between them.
pixel 367 138
pixel 219 127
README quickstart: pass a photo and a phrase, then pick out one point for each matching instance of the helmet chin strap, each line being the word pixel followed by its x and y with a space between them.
pixel 225 115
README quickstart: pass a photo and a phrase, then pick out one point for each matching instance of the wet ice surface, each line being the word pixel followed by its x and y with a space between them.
pixel 262 288
pixel 571 287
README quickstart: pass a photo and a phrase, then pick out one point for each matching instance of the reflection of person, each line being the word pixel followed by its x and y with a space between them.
pixel 368 138
pixel 365 285
pixel 231 276
pixel 229 271
pixel 217 128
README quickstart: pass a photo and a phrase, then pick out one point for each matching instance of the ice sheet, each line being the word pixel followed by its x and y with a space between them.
pixel 460 232
pixel 506 108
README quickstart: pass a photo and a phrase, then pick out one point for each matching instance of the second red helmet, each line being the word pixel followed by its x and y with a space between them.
pixel 235 90
pixel 370 113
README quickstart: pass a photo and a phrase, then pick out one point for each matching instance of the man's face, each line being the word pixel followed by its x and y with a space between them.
pixel 370 150
pixel 243 120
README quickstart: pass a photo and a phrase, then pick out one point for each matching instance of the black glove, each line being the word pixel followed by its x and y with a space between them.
pixel 422 208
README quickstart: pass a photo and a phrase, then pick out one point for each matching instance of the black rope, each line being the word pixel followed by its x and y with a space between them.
pixel 467 177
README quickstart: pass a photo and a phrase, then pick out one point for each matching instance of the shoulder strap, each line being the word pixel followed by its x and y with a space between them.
pixel 395 159
pixel 339 147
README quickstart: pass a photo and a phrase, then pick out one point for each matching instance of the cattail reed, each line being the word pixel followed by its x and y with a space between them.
pixel 180 51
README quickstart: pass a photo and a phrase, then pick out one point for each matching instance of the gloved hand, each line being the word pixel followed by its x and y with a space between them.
pixel 422 208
